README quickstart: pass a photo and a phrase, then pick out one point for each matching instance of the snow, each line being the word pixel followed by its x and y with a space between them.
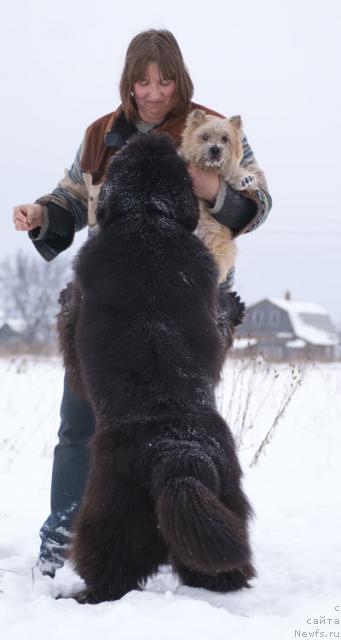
pixel 244 343
pixel 294 490
pixel 297 306
pixel 303 329
pixel 16 325
pixel 296 344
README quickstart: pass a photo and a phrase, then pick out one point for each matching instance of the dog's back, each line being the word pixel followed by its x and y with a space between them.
pixel 150 295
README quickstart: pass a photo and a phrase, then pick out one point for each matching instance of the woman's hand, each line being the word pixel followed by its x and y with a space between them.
pixel 27 216
pixel 205 183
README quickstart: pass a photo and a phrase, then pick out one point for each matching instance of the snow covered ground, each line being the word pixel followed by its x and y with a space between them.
pixel 294 488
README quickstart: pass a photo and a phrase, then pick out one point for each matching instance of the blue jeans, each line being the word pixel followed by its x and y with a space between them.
pixel 69 473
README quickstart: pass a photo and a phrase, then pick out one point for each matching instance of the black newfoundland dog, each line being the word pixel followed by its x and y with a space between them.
pixel 144 338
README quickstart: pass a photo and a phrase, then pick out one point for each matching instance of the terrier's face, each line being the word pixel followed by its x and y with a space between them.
pixel 212 143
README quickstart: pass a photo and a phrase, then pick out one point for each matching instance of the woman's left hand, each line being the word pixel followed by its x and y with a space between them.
pixel 205 183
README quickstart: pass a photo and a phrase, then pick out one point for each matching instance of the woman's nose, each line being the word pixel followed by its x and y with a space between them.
pixel 155 91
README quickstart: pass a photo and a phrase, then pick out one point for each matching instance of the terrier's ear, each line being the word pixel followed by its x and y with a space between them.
pixel 196 118
pixel 236 121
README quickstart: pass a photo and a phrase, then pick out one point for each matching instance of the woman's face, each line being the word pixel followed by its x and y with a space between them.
pixel 154 95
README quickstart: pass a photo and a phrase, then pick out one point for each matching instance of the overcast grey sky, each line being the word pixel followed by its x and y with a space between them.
pixel 276 63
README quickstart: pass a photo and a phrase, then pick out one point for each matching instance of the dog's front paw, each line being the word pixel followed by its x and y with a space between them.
pixel 247 182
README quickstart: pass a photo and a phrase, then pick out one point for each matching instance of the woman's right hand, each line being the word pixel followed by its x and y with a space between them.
pixel 27 216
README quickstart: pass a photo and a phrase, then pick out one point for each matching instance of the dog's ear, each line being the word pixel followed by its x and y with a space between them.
pixel 178 201
pixel 187 208
pixel 236 121
pixel 107 205
pixel 196 118
pixel 100 214
pixel 101 207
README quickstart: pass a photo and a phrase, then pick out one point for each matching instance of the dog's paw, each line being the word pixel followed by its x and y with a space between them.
pixel 231 308
pixel 221 582
pixel 87 597
pixel 247 182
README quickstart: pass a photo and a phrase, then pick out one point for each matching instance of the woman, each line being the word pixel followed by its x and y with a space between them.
pixel 156 92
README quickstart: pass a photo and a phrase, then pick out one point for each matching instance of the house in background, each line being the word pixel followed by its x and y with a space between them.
pixel 11 331
pixel 283 329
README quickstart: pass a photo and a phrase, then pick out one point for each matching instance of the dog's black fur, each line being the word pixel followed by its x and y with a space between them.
pixel 141 334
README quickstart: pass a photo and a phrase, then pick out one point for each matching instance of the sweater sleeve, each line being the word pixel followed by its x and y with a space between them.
pixel 64 212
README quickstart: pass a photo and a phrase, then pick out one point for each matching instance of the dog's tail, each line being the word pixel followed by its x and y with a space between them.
pixel 203 533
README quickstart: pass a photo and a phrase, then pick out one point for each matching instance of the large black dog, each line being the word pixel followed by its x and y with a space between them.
pixel 141 331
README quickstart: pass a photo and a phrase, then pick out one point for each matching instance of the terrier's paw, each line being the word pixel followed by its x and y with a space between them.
pixel 247 181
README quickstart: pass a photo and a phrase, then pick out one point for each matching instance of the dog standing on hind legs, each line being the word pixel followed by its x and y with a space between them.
pixel 139 329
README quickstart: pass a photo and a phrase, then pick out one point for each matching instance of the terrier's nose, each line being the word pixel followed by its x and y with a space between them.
pixel 215 151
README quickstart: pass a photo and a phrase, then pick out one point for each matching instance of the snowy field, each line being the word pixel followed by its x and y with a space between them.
pixel 294 489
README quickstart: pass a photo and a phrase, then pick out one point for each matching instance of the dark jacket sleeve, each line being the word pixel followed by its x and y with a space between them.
pixel 243 210
pixel 237 210
pixel 64 212
pixel 56 233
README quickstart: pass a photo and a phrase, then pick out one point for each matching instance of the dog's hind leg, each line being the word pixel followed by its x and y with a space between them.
pixel 202 511
pixel 117 545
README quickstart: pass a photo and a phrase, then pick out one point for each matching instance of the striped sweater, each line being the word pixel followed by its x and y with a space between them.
pixel 71 206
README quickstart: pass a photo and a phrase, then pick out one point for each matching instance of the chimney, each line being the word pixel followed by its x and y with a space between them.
pixel 287 295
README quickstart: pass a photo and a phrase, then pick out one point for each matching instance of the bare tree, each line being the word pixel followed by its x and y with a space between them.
pixel 29 291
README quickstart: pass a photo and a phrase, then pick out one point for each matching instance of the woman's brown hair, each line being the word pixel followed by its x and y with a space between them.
pixel 161 47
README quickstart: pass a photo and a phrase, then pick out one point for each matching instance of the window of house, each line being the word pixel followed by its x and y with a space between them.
pixel 257 318
pixel 274 318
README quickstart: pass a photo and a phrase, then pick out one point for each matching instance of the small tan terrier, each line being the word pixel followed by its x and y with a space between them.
pixel 215 144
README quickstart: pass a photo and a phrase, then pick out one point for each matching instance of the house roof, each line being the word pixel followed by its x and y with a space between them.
pixel 310 321
pixel 295 306
pixel 15 324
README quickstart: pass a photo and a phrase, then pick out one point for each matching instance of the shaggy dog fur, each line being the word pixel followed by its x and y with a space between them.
pixel 140 332
pixel 215 144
